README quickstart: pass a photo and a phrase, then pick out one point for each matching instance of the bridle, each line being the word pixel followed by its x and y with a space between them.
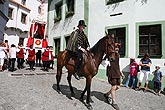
pixel 109 43
pixel 112 46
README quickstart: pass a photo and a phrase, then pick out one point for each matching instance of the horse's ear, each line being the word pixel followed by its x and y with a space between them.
pixel 106 33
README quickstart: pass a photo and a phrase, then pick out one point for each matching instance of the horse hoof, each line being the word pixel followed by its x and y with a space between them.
pixel 89 107
pixel 59 91
pixel 72 94
pixel 81 99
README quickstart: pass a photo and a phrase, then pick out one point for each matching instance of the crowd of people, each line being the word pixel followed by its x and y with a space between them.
pixel 144 71
pixel 29 55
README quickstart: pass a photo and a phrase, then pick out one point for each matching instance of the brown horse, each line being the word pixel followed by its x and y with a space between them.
pixel 88 69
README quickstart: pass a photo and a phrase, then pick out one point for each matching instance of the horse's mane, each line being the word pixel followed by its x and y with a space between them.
pixel 97 48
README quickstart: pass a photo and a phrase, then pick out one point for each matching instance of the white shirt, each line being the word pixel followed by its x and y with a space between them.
pixel 12 52
pixel 2 52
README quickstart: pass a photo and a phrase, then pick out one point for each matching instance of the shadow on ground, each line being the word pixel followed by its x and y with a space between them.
pixel 65 90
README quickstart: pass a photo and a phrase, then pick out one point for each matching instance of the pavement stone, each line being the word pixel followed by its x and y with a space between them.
pixel 24 91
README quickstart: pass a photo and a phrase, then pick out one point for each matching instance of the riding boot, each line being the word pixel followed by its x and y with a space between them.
pixel 76 71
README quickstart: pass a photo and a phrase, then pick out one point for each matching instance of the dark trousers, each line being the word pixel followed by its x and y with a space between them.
pixel 46 65
pixel 157 85
pixel 51 63
pixel 31 64
pixel 78 60
pixel 6 64
pixel 20 62
pixel 38 61
pixel 11 64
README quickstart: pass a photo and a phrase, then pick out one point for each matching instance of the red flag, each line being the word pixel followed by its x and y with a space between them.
pixel 33 29
pixel 44 43
pixel 41 30
pixel 30 41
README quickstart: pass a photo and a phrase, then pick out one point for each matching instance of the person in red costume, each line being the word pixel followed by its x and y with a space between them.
pixel 46 58
pixel 31 57
pixel 20 56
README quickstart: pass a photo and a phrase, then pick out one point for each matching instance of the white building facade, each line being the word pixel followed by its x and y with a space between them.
pixel 21 13
pixel 139 25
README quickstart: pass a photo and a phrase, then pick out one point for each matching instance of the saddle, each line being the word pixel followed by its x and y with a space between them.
pixel 72 58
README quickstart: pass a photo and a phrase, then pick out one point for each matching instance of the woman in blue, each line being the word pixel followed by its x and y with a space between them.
pixel 145 64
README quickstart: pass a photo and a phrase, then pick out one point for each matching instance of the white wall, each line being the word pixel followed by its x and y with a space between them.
pixel 65 26
pixel 133 11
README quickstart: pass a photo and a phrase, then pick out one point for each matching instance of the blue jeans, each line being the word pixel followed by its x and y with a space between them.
pixel 133 82
pixel 127 82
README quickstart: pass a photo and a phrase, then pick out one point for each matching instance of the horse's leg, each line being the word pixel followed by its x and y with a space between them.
pixel 58 79
pixel 88 86
pixel 82 94
pixel 70 85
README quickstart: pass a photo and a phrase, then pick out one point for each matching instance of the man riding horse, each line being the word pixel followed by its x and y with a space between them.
pixel 78 43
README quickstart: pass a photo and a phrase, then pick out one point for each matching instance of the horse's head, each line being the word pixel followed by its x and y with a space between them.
pixel 105 45
pixel 109 45
pixel 111 48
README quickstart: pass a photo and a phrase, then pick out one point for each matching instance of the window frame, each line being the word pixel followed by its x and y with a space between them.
pixel 57 16
pixel 23 2
pixel 120 39
pixel 146 40
pixel 23 20
pixel 57 43
pixel 69 12
pixel 11 15
pixel 39 9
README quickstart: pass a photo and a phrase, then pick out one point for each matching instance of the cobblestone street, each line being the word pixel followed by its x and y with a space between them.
pixel 36 90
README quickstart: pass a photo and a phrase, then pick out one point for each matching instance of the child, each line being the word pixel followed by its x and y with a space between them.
pixel 134 68
pixel 157 79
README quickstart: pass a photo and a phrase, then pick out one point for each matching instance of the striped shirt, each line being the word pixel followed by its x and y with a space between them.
pixel 77 40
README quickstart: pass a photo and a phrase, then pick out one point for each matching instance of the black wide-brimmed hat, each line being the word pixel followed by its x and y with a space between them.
pixel 81 23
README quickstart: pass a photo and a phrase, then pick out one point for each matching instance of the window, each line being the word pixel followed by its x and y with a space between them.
pixel 113 1
pixel 23 2
pixel 1 5
pixel 70 8
pixel 120 37
pixel 23 18
pixel 21 41
pixel 57 46
pixel 39 9
pixel 2 1
pixel 150 40
pixel 10 13
pixel 58 12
